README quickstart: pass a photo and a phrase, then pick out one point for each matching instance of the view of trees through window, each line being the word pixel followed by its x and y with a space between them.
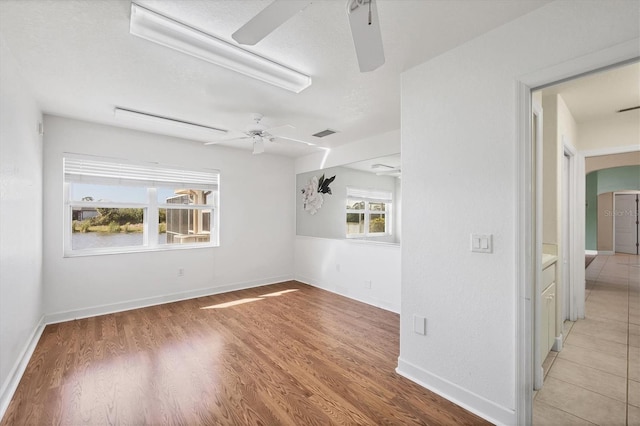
pixel 364 217
pixel 101 227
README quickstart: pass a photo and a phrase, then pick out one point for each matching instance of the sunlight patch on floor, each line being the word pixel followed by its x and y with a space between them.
pixel 248 299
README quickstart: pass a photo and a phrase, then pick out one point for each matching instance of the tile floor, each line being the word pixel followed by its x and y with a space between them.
pixel 595 379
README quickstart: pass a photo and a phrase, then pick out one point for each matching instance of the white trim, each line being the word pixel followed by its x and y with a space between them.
pixel 592 252
pixel 15 374
pixel 158 300
pixel 470 401
pixel 576 244
pixel 579 225
pixel 378 303
pixel 537 147
pixel 622 52
pixel 606 252
pixel 557 343
pixel 524 266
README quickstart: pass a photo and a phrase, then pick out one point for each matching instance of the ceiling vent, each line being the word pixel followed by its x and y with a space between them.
pixel 324 133
pixel 629 109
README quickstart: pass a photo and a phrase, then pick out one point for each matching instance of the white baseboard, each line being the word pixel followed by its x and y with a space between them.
pixel 466 399
pixel 15 374
pixel 557 344
pixel 607 252
pixel 378 303
pixel 591 252
pixel 157 300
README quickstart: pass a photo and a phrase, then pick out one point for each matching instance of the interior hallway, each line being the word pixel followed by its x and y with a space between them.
pixel 595 379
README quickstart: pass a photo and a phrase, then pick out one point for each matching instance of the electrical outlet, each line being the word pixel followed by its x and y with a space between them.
pixel 181 272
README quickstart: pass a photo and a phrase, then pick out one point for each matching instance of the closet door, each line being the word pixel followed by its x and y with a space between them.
pixel 626 223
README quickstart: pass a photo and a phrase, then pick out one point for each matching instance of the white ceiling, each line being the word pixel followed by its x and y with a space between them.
pixel 81 62
pixel 601 95
pixel 389 162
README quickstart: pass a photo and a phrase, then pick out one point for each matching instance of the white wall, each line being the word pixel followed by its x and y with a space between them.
pixel 256 232
pixel 20 225
pixel 365 271
pixel 343 266
pixel 459 177
pixel 618 131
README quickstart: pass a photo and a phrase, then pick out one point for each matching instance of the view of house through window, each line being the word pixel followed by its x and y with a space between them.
pixel 367 213
pixel 129 207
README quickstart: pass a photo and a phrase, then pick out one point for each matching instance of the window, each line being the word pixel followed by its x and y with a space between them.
pixel 368 213
pixel 114 206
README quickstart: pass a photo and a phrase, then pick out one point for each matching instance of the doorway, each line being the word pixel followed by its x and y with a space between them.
pixel 574 251
pixel 625 221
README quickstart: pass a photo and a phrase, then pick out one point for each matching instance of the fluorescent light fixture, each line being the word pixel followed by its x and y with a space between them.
pixel 167 32
pixel 157 120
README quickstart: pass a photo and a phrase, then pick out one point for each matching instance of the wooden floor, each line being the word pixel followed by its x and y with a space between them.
pixel 285 354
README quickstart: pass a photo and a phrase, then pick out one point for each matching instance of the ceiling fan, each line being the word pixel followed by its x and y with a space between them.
pixel 259 134
pixel 363 19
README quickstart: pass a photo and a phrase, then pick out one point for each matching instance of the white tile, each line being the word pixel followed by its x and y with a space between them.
pixel 614 331
pixel 591 343
pixel 607 362
pixel 590 378
pixel 582 403
pixel 634 415
pixel 634 393
pixel 546 415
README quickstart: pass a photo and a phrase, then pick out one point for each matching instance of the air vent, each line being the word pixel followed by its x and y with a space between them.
pixel 629 109
pixel 324 133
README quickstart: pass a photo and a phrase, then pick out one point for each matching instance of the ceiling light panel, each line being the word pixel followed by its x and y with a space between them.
pixel 167 32
pixel 165 125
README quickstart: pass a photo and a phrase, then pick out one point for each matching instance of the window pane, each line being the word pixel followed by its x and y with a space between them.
pixel 104 228
pixel 185 196
pixel 184 226
pixel 355 223
pixel 355 205
pixel 113 193
pixel 377 222
pixel 376 207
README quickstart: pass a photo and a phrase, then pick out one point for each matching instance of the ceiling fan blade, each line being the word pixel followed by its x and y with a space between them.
pixel 365 30
pixel 226 140
pixel 270 18
pixel 284 132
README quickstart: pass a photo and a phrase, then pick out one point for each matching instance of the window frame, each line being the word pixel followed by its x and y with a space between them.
pixel 369 197
pixel 151 209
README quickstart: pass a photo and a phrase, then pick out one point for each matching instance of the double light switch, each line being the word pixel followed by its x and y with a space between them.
pixel 482 243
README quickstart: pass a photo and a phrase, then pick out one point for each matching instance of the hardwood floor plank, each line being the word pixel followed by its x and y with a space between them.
pixel 284 354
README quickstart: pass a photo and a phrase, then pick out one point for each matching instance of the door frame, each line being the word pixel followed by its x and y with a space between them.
pixel 569 238
pixel 526 260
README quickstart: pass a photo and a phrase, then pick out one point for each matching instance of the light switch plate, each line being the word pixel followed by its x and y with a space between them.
pixel 482 243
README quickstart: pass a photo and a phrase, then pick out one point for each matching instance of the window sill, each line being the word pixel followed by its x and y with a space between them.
pixel 128 250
